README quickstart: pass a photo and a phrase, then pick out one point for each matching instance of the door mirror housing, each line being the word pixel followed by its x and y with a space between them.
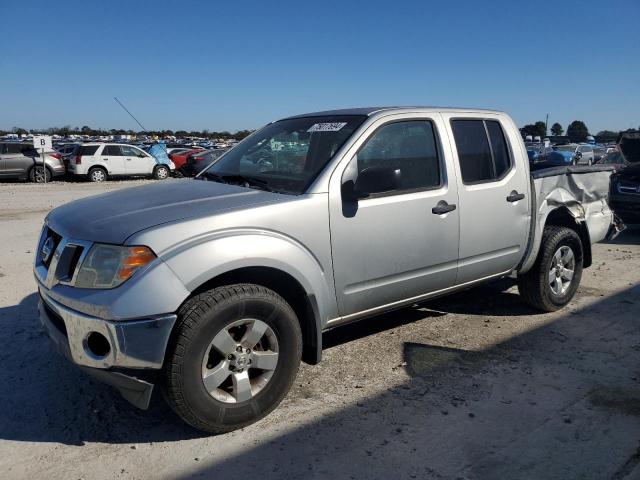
pixel 370 181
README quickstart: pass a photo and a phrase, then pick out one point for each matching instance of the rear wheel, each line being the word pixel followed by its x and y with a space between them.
pixel 235 354
pixel 555 276
pixel 40 174
pixel 161 172
pixel 97 174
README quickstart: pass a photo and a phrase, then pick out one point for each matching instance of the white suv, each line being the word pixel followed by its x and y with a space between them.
pixel 100 160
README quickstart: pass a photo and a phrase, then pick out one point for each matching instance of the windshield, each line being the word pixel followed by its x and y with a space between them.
pixel 284 156
pixel 566 148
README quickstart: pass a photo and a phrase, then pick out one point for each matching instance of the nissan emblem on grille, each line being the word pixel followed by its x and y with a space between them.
pixel 47 249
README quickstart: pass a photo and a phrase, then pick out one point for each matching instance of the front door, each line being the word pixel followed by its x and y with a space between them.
pixel 492 186
pixel 136 161
pixel 391 246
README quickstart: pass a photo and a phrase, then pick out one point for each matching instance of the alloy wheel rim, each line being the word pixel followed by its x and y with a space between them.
pixel 240 361
pixel 562 269
pixel 39 175
pixel 98 175
pixel 162 173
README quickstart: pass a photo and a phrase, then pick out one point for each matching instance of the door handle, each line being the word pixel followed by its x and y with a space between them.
pixel 443 207
pixel 514 196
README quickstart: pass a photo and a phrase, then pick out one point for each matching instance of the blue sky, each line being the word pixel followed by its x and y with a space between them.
pixel 234 65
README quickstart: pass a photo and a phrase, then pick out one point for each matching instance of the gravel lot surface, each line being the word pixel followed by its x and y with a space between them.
pixel 475 385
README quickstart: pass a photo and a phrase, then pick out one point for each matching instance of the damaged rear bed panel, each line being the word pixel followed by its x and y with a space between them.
pixel 582 190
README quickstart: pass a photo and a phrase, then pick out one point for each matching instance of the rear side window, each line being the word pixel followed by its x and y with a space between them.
pixel 482 150
pixel 112 150
pixel 17 147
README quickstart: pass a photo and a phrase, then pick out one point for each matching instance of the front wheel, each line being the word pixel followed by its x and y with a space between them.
pixel 235 354
pixel 555 276
pixel 161 172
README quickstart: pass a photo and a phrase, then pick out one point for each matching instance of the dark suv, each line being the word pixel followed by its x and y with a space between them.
pixel 22 161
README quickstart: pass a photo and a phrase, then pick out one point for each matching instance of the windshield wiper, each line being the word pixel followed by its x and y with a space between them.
pixel 213 177
pixel 246 181
pixel 241 180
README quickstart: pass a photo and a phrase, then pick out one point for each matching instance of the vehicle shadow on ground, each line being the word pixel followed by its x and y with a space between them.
pixel 548 403
pixel 457 405
pixel 631 236
pixel 44 398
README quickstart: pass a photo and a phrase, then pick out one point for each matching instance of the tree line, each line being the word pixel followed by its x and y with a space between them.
pixel 93 132
pixel 577 131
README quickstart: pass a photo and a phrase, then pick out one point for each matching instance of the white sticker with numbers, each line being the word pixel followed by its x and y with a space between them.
pixel 326 127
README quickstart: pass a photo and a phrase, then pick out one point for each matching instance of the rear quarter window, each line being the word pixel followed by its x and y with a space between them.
pixel 88 149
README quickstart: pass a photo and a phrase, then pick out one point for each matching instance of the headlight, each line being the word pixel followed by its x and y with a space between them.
pixel 107 266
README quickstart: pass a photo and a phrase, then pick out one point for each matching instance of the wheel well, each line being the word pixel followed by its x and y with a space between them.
pixel 100 167
pixel 34 166
pixel 288 288
pixel 561 217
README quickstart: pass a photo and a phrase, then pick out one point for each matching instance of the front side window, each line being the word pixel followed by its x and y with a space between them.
pixel 482 150
pixel 285 156
pixel 131 151
pixel 406 146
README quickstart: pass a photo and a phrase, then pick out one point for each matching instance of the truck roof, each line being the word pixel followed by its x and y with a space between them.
pixel 368 111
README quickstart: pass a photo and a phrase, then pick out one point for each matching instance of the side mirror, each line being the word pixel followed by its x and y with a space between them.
pixel 372 180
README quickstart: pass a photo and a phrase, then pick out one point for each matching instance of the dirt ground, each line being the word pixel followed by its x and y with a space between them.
pixel 472 386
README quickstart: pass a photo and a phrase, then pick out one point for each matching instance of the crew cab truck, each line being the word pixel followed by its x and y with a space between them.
pixel 216 287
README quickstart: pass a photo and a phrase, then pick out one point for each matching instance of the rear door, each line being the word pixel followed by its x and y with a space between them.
pixel 112 158
pixel 137 162
pixel 2 161
pixel 492 185
pixel 392 246
pixel 15 162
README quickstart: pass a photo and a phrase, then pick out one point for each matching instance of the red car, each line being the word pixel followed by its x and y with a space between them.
pixel 180 159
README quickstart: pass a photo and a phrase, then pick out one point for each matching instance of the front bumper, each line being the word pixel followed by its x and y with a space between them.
pixel 135 344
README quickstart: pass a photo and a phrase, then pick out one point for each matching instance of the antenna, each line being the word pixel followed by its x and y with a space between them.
pixel 130 114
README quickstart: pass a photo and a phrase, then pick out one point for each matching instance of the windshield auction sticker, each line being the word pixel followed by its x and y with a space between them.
pixel 326 127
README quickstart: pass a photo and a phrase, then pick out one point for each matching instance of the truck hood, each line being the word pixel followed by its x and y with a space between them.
pixel 115 216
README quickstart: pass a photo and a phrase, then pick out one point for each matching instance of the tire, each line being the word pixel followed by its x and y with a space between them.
pixel 192 357
pixel 98 174
pixel 161 172
pixel 40 174
pixel 539 287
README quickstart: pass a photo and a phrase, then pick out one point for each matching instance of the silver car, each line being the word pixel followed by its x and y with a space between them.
pixel 22 161
pixel 219 286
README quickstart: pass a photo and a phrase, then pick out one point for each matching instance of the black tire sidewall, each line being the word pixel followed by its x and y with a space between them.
pixel 229 415
pixel 91 174
pixel 570 239
pixel 157 169
pixel 32 174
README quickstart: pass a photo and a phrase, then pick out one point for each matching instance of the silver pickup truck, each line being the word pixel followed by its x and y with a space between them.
pixel 216 288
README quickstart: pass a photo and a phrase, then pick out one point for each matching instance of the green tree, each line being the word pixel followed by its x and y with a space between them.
pixel 538 129
pixel 577 131
pixel 606 136
pixel 556 129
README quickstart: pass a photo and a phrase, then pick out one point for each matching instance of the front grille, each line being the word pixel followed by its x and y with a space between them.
pixel 68 262
pixel 51 240
pixel 629 189
pixel 55 319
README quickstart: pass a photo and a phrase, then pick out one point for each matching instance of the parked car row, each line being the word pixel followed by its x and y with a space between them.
pixel 98 162
pixel 23 162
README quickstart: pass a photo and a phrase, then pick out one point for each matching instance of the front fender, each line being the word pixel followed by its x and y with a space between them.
pixel 204 258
